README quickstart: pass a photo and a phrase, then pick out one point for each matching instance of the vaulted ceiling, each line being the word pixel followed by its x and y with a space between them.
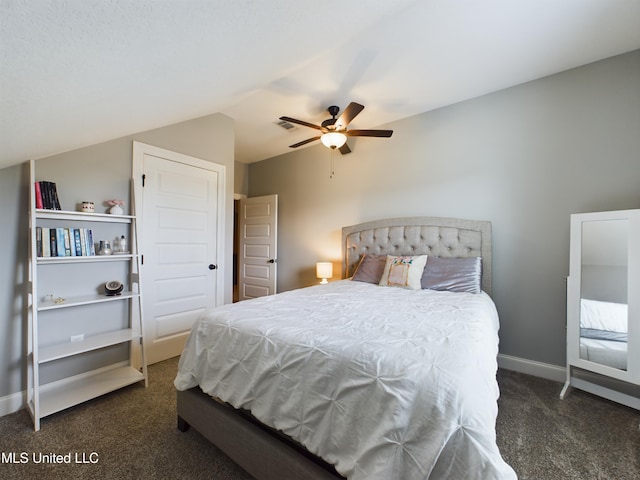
pixel 78 72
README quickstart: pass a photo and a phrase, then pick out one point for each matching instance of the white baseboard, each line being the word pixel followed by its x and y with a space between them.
pixel 531 367
pixel 12 403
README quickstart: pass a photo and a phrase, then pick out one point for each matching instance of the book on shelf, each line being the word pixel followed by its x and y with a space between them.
pixel 91 249
pixel 53 242
pixel 64 242
pixel 38 194
pixel 60 248
pixel 72 242
pixel 46 195
pixel 46 242
pixel 77 242
pixel 38 241
pixel 83 241
pixel 67 243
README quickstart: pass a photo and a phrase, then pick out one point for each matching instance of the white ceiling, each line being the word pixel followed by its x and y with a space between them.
pixel 77 72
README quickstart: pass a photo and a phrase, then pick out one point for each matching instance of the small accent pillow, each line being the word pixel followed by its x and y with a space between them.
pixel 370 268
pixel 403 271
pixel 453 274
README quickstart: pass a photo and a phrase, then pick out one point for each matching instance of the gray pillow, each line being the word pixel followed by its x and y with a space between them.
pixel 370 268
pixel 453 274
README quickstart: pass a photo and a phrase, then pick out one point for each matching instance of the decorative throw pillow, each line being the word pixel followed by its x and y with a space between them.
pixel 403 271
pixel 453 274
pixel 370 268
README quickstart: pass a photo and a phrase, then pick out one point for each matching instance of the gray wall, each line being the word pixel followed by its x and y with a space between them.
pixel 97 173
pixel 524 158
pixel 241 176
pixel 14 241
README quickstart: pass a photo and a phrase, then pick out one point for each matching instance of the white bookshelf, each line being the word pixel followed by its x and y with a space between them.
pixel 77 389
pixel 84 300
pixel 62 350
pixel 81 307
pixel 89 259
pixel 90 217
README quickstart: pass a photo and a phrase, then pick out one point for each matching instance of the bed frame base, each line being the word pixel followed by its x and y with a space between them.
pixel 259 451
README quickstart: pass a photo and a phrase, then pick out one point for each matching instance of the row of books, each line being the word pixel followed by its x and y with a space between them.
pixel 64 242
pixel 47 196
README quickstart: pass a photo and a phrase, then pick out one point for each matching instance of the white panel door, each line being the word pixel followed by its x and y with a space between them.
pixel 257 252
pixel 180 247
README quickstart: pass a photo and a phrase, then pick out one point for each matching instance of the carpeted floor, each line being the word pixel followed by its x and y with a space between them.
pixel 131 434
pixel 583 437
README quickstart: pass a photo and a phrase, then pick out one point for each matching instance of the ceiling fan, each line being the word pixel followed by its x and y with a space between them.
pixel 334 130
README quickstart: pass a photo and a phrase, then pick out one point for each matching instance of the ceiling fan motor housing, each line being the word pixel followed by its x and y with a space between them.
pixel 333 111
pixel 329 123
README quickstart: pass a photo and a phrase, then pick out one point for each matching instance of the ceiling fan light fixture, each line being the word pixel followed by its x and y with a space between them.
pixel 333 132
pixel 333 139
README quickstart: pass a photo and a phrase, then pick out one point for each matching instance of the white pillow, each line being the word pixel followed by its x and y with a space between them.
pixel 603 315
pixel 403 271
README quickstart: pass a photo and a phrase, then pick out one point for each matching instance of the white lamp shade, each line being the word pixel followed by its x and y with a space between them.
pixel 324 270
pixel 333 139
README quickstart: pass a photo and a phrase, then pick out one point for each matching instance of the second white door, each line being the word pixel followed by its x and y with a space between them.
pixel 258 244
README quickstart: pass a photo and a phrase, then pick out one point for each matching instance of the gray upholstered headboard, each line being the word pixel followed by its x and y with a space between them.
pixel 442 237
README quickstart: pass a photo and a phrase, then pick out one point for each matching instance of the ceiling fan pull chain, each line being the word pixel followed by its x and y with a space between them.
pixel 332 164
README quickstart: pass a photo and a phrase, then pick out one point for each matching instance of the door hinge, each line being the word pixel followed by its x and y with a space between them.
pixel 143 179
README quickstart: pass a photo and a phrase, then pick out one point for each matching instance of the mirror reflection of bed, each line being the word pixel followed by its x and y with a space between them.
pixel 603 303
pixel 603 333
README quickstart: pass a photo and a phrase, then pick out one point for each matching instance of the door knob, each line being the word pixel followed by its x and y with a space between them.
pixel 271 260
pixel 212 266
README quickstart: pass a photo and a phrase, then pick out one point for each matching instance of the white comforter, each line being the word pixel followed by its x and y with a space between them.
pixel 384 383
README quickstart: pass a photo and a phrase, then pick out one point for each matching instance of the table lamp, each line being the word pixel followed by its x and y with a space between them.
pixel 324 270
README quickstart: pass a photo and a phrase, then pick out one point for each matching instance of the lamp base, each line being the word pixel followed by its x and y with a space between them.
pixel 324 280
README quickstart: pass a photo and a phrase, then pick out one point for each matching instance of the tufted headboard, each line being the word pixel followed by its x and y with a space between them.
pixel 442 237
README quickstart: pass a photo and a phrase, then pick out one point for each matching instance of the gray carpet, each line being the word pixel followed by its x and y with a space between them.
pixel 133 434
pixel 583 437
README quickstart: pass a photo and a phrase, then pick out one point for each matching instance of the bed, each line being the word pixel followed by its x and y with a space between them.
pixel 353 379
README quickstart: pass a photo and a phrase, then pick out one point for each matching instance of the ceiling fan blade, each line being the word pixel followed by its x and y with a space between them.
pixel 304 142
pixel 369 133
pixel 344 149
pixel 348 115
pixel 302 122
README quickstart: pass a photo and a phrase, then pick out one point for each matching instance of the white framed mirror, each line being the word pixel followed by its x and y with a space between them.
pixel 603 302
